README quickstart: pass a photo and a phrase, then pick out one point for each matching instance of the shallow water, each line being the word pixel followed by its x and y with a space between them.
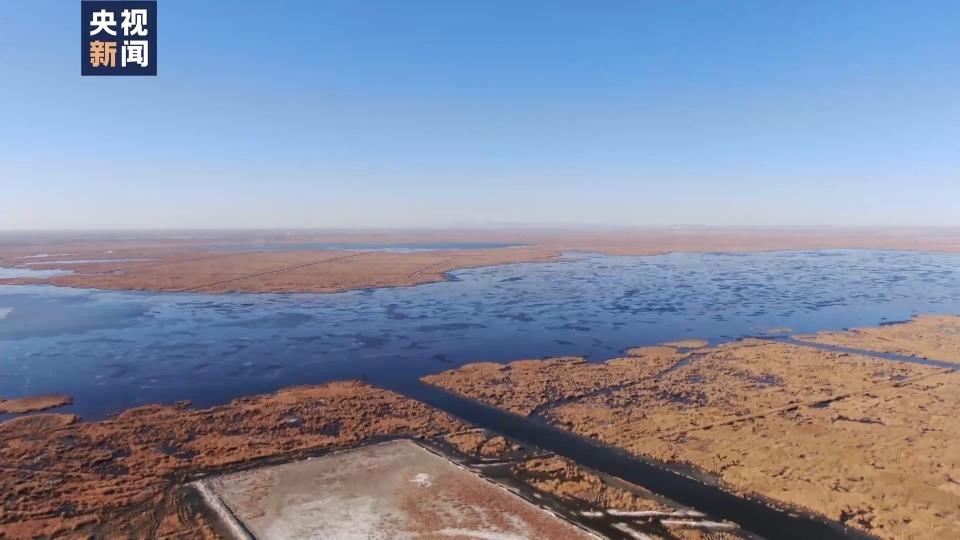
pixel 111 349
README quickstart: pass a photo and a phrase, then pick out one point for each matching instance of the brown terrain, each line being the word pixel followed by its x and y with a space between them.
pixel 124 477
pixel 278 271
pixel 872 443
pixel 564 479
pixel 33 403
pixel 932 337
pixel 183 265
pixel 118 478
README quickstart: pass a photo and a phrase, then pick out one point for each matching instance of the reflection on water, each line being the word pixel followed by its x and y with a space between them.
pixel 114 349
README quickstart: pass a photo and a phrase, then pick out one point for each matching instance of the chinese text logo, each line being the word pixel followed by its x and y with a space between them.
pixel 118 38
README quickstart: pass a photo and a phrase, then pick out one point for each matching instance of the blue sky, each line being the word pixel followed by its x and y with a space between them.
pixel 417 113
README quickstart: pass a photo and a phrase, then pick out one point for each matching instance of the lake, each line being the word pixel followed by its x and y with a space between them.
pixel 114 349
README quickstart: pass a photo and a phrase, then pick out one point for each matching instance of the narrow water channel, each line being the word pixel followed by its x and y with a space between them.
pixel 752 515
pixel 876 354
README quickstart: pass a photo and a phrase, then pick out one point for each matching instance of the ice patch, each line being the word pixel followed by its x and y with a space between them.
pixel 422 479
pixel 42 255
pixel 87 261
pixel 480 535
pixel 636 535
pixel 12 273
pixel 4 311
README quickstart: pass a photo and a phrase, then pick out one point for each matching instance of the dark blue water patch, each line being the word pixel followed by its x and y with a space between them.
pixel 276 320
pixel 28 315
pixel 767 379
pixel 114 349
pixel 362 246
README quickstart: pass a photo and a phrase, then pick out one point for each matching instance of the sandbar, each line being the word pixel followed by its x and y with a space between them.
pixel 33 403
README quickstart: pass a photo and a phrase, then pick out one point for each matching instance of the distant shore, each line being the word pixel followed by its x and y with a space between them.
pixel 200 263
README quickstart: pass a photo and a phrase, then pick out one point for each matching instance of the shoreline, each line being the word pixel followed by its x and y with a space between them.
pixel 764 416
pixel 185 266
pixel 302 417
pixel 444 276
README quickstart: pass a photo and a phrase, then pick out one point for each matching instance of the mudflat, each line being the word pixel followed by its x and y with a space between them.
pixel 870 442
pixel 193 262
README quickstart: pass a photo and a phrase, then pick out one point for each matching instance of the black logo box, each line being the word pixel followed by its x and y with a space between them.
pixel 87 9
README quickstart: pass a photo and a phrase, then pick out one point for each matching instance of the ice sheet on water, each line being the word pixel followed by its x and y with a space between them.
pixel 7 273
pixel 43 255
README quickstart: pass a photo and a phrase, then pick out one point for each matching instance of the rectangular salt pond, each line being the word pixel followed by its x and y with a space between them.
pixel 391 490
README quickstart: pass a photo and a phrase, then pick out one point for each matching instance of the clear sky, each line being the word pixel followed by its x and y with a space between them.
pixel 406 113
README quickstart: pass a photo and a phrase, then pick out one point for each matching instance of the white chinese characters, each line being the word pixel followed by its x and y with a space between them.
pixel 136 52
pixel 134 21
pixel 119 37
pixel 103 21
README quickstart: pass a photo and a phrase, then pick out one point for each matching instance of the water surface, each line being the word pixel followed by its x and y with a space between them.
pixel 114 349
